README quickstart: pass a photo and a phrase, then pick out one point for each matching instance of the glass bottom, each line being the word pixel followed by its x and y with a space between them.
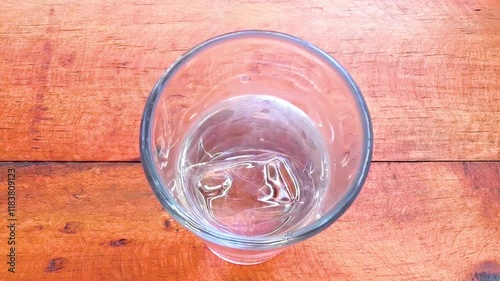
pixel 253 165
pixel 243 257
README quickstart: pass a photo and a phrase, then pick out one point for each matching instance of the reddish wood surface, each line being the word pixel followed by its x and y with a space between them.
pixel 76 74
pixel 412 221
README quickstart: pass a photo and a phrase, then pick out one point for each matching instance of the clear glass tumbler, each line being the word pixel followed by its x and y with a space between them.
pixel 255 141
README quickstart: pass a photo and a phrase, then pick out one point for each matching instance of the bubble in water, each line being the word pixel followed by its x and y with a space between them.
pixel 245 79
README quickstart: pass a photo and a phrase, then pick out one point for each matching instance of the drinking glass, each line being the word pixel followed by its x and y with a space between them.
pixel 255 141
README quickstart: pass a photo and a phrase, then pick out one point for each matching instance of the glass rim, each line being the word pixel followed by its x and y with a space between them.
pixel 234 241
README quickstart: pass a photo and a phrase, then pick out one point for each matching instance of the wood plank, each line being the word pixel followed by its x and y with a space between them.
pixel 76 75
pixel 412 221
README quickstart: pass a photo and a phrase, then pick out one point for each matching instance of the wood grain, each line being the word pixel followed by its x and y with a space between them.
pixel 412 221
pixel 76 74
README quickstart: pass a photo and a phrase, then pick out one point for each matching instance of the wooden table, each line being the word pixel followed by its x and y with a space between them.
pixel 74 78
